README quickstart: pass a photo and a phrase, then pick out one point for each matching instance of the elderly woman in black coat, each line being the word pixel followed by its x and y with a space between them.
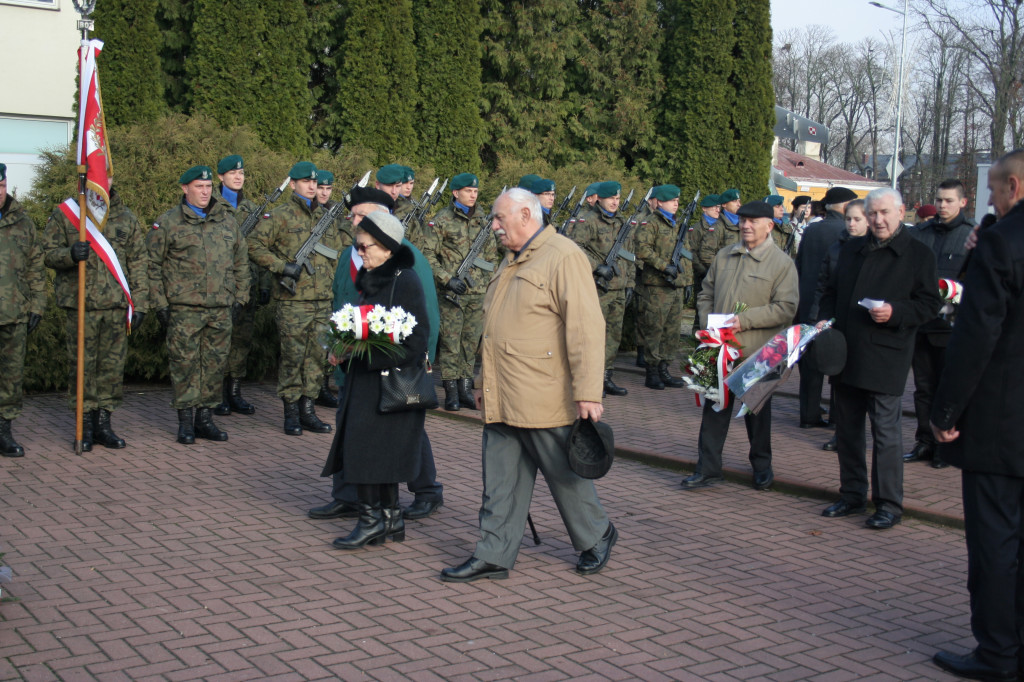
pixel 375 450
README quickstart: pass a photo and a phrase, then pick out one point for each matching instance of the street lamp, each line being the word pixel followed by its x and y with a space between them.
pixel 899 89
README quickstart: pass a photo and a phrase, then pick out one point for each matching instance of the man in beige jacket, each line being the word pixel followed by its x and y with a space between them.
pixel 756 274
pixel 542 366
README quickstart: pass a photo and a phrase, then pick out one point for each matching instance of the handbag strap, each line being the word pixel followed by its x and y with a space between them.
pixel 391 300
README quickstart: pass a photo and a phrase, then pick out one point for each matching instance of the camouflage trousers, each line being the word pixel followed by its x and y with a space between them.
pixel 459 334
pixel 106 347
pixel 638 293
pixel 197 347
pixel 242 330
pixel 301 325
pixel 613 307
pixel 661 312
pixel 12 368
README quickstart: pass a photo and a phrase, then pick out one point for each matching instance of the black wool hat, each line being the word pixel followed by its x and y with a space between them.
pixel 385 228
pixel 591 448
pixel 369 195
pixel 755 209
pixel 839 195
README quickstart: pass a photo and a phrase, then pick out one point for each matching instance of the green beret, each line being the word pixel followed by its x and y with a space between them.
pixel 391 174
pixel 665 192
pixel 3 171
pixel 591 189
pixel 464 180
pixel 303 170
pixel 729 195
pixel 542 186
pixel 710 200
pixel 410 174
pixel 324 177
pixel 526 182
pixel 228 163
pixel 774 200
pixel 195 173
pixel 608 189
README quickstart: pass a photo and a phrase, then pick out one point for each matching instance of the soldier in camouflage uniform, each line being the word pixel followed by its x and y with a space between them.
pixel 404 204
pixel 527 181
pixel 545 191
pixel 452 231
pixel 782 232
pixel 595 231
pixel 303 316
pixel 198 280
pixel 22 302
pixel 106 321
pixel 704 236
pixel 730 220
pixel 661 309
pixel 644 214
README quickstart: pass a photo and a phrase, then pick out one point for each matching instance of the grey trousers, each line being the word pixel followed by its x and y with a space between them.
pixel 885 413
pixel 511 457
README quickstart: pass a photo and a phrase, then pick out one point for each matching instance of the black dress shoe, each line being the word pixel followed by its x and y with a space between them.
pixel 700 481
pixel 421 509
pixel 595 558
pixel 882 520
pixel 473 569
pixel 830 445
pixel 970 667
pixel 335 509
pixel 919 452
pixel 842 508
pixel 820 424
pixel 763 479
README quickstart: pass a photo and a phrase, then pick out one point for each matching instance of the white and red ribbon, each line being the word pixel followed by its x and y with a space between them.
pixel 951 290
pixel 361 323
pixel 727 355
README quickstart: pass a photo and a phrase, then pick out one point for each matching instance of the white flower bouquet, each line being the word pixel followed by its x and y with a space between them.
pixel 356 331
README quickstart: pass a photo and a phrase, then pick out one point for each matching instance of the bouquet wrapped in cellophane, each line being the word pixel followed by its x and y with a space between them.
pixel 357 331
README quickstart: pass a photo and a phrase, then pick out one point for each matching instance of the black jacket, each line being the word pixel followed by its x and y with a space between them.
pixel 901 273
pixel 946 240
pixel 814 245
pixel 982 386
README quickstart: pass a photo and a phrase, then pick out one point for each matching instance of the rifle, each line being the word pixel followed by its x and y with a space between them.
pixel 680 250
pixel 421 205
pixel 572 216
pixel 312 242
pixel 253 219
pixel 472 258
pixel 610 267
pixel 563 205
pixel 629 198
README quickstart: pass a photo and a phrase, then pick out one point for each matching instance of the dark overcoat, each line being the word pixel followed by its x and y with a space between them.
pixel 946 240
pixel 368 446
pixel 814 245
pixel 982 386
pixel 901 273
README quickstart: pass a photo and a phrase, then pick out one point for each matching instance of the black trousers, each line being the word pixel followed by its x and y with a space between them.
pixel 714 427
pixel 928 362
pixel 994 525
pixel 884 412
pixel 811 383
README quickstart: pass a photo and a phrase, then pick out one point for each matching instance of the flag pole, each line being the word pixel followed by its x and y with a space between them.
pixel 85 24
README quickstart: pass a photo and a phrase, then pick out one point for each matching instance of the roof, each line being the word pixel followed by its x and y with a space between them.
pixel 799 167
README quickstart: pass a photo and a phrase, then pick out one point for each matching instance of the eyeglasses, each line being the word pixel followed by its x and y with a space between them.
pixel 362 248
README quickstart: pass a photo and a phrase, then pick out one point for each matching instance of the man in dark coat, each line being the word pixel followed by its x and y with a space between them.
pixel 814 244
pixel 945 235
pixel 975 418
pixel 884 289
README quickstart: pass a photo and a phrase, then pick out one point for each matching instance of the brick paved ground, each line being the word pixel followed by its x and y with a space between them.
pixel 168 562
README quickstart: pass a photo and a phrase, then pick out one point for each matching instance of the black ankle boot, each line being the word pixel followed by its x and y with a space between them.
pixel 326 397
pixel 308 418
pixel 186 432
pixel 370 528
pixel 394 522
pixel 641 361
pixel 466 399
pixel 205 428
pixel 234 397
pixel 292 427
pixel 103 433
pixel 652 379
pixel 609 386
pixel 88 428
pixel 451 395
pixel 667 378
pixel 8 446
pixel 224 408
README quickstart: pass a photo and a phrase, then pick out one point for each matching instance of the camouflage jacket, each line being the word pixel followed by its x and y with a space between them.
pixel 343 223
pixel 22 275
pixel 451 234
pixel 703 242
pixel 102 290
pixel 655 240
pixel 197 261
pixel 595 233
pixel 728 235
pixel 259 277
pixel 280 235
pixel 783 235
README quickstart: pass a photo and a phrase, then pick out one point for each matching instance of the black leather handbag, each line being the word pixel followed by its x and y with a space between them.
pixel 407 388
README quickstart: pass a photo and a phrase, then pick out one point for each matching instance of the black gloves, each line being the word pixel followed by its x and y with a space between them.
pixel 264 296
pixel 292 271
pixel 604 272
pixel 33 321
pixel 671 272
pixel 163 316
pixel 629 295
pixel 457 285
pixel 137 318
pixel 688 294
pixel 79 251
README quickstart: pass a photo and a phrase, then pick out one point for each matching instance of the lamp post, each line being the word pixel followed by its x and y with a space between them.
pixel 899 88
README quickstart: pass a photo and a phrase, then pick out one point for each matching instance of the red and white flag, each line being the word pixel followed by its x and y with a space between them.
pixel 92 136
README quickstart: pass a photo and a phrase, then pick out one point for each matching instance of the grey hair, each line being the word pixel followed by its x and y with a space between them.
pixel 521 197
pixel 881 193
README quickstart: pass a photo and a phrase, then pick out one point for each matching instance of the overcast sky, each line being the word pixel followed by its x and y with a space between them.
pixel 852 20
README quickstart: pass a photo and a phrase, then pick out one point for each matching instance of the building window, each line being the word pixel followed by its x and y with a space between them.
pixel 38 4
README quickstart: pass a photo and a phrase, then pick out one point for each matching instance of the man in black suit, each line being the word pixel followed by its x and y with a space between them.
pixel 883 290
pixel 976 419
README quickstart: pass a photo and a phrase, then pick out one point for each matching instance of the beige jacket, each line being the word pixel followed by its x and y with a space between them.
pixel 764 279
pixel 542 348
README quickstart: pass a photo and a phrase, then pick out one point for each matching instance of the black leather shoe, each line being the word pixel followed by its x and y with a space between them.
pixel 186 430
pixel 919 452
pixel 421 509
pixel 938 463
pixel 595 558
pixel 473 569
pixel 700 481
pixel 292 427
pixel 881 520
pixel 666 378
pixel 234 398
pixel 970 667
pixel 336 509
pixel 842 508
pixel 830 445
pixel 204 426
pixel 763 479
pixel 103 433
pixel 820 424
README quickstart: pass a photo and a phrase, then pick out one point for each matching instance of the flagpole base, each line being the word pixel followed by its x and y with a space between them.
pixel 78 448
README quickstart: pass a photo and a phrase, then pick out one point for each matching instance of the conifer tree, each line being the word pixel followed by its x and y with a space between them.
pixel 327 32
pixel 753 116
pixel 128 29
pixel 174 21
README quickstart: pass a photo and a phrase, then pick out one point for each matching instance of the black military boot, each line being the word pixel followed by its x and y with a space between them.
pixel 235 400
pixel 609 386
pixel 224 408
pixel 667 378
pixel 652 379
pixel 186 432
pixel 103 434
pixel 8 446
pixel 451 395
pixel 466 399
pixel 205 428
pixel 370 529
pixel 641 361
pixel 88 423
pixel 394 522
pixel 308 418
pixel 292 427
pixel 326 397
